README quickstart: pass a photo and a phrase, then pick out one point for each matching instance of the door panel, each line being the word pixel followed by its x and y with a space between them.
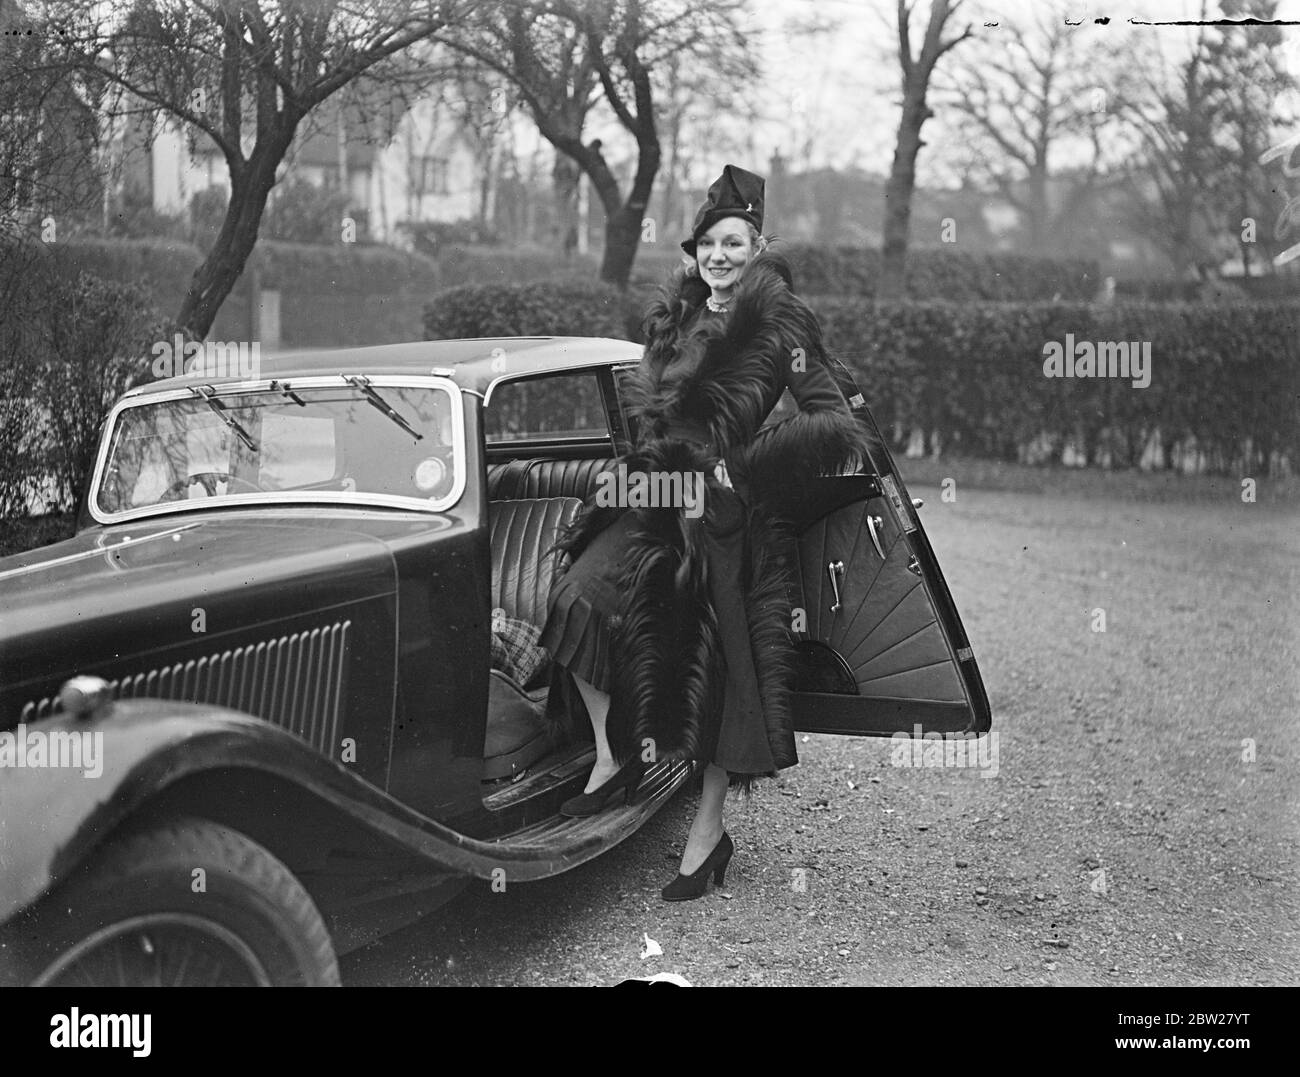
pixel 886 629
pixel 872 592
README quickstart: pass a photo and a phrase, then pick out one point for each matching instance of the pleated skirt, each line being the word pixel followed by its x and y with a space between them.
pixel 577 634
pixel 581 604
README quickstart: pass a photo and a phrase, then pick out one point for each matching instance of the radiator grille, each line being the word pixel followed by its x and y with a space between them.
pixel 295 681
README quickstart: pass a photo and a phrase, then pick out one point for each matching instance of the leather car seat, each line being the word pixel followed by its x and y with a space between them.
pixel 545 478
pixel 522 533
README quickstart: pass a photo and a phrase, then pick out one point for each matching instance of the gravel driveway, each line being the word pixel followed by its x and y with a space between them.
pixel 1129 837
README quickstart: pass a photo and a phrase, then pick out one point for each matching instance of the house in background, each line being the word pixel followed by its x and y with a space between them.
pixel 397 165
pixel 428 171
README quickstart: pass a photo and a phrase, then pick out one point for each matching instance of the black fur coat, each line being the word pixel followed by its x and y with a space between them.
pixel 720 376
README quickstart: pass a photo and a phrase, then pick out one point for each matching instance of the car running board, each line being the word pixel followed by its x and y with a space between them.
pixel 558 843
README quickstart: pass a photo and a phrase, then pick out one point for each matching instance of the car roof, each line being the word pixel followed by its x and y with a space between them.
pixel 474 363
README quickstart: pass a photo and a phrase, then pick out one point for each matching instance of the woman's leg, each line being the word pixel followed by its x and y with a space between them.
pixel 706 829
pixel 597 703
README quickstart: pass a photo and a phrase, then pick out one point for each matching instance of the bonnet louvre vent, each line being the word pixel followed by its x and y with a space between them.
pixel 294 681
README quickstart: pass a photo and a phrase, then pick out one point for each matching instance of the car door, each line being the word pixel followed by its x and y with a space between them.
pixel 881 645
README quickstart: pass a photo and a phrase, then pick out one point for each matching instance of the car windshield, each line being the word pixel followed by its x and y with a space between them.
pixel 288 443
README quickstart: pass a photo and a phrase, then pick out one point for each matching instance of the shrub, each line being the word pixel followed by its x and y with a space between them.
pixel 73 345
pixel 131 216
pixel 302 212
pixel 430 238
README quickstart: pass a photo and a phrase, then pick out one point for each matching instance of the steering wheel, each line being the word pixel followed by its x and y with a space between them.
pixel 208 480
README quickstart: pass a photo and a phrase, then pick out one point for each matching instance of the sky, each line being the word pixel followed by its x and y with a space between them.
pixel 845 84
pixel 832 100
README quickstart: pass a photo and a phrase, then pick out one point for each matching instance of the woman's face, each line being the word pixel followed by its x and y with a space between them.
pixel 722 253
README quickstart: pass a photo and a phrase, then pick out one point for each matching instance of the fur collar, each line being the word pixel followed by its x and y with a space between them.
pixel 721 372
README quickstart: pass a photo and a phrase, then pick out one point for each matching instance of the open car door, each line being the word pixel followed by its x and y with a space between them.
pixel 882 648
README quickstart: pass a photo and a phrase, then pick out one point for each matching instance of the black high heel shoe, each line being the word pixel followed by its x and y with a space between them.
pixel 685 887
pixel 627 778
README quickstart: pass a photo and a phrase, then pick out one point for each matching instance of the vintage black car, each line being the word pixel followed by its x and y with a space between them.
pixel 249 718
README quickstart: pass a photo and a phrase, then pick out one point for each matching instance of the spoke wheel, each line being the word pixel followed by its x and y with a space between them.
pixel 165 950
pixel 183 903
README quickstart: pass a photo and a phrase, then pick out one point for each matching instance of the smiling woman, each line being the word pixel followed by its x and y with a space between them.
pixel 726 235
pixel 721 255
pixel 675 622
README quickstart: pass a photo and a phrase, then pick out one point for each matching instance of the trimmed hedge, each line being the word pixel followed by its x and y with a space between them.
pixel 574 307
pixel 469 264
pixel 932 273
pixel 167 265
pixel 1283 285
pixel 162 266
pixel 305 268
pixel 1224 375
pixel 340 294
pixel 939 273
pixel 330 294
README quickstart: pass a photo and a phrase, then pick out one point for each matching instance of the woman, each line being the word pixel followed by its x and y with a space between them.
pixel 676 625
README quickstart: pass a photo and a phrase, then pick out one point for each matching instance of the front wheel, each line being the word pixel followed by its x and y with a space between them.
pixel 182 903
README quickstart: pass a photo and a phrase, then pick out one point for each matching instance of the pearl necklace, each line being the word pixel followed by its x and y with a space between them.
pixel 715 306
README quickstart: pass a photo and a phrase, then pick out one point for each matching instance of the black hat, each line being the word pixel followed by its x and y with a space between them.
pixel 736 193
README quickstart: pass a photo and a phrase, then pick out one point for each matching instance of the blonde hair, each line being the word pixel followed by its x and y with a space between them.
pixel 757 241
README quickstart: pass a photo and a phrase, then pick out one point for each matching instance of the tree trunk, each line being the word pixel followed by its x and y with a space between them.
pixel 622 235
pixel 898 195
pixel 250 185
pixel 902 173
pixel 1038 211
pixel 623 218
pixel 564 176
pixel 1168 446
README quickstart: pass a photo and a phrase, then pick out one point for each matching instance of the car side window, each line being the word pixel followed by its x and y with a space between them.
pixel 554 408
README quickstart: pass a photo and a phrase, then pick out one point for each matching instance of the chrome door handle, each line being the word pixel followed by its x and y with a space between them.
pixel 874 523
pixel 835 569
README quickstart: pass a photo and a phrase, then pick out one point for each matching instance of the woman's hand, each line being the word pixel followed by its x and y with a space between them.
pixel 720 473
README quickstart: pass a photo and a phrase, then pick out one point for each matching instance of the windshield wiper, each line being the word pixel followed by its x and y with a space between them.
pixel 209 396
pixel 285 389
pixel 360 381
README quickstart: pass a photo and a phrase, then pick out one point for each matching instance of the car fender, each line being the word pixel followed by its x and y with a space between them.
pixel 53 818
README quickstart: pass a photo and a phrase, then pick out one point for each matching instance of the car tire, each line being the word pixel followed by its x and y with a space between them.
pixel 185 902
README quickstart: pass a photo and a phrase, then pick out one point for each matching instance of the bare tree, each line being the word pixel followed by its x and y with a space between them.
pixel 478 100
pixel 49 134
pixel 565 56
pixel 245 73
pixel 1038 89
pixel 917 70
pixel 1251 81
pixel 1173 178
pixel 689 104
